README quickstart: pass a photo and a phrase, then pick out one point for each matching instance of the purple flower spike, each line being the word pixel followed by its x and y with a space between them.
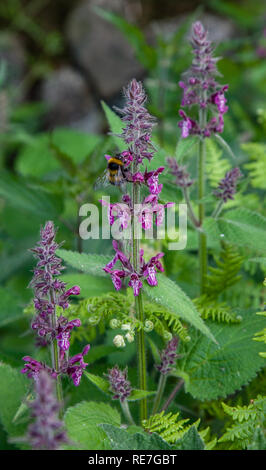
pixel 139 123
pixel 168 357
pixel 119 384
pixel 49 291
pixel 46 432
pixel 200 88
pixel 227 186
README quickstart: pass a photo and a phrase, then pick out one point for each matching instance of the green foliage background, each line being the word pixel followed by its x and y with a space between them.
pixel 52 173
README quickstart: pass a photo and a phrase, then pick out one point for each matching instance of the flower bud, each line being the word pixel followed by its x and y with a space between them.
pixel 119 341
pixel 130 337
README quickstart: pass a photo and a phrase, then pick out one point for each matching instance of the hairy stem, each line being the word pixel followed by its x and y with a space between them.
pixel 201 193
pixel 126 411
pixel 55 358
pixel 159 394
pixel 172 395
pixel 139 304
pixel 191 213
pixel 218 209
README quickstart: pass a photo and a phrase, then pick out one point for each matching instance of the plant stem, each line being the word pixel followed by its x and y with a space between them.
pixel 55 357
pixel 191 213
pixel 201 192
pixel 218 209
pixel 159 394
pixel 126 411
pixel 172 395
pixel 139 305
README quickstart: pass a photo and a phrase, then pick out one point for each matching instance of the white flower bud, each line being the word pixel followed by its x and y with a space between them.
pixel 119 341
pixel 130 337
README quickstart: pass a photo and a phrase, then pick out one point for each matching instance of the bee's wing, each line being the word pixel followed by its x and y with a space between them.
pixel 102 181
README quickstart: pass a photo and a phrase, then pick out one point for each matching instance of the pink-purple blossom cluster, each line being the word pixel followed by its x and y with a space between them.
pixel 119 384
pixel 146 270
pixel 49 294
pixel 168 356
pixel 200 88
pixel 137 137
pixel 46 432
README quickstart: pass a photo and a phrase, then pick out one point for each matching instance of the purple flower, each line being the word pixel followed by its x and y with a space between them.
pixel 168 356
pixel 49 291
pixel 75 366
pixel 151 179
pixel 200 88
pixel 46 432
pixel 139 123
pixel 33 368
pixel 146 270
pixel 227 186
pixel 119 384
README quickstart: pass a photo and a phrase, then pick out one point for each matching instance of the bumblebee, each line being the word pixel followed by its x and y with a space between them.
pixel 115 174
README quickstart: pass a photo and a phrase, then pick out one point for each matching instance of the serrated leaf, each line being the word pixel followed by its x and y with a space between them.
pixel 171 296
pixel 87 263
pixel 191 440
pixel 90 285
pixel 245 228
pixel 184 146
pixel 82 422
pixel 122 440
pixel 216 372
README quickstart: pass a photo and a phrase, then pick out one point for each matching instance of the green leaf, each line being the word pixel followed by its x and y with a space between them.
pixel 244 228
pixel 122 440
pixel 19 194
pixel 13 390
pixel 115 124
pixel 215 372
pixel 184 146
pixel 81 423
pixel 73 144
pixel 100 382
pixel 87 263
pixel 171 296
pixel 90 285
pixel 191 440
pixel 140 394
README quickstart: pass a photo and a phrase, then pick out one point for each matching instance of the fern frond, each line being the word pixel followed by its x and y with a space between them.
pixel 225 274
pixel 168 426
pixel 245 420
pixel 257 166
pixel 216 164
pixel 216 311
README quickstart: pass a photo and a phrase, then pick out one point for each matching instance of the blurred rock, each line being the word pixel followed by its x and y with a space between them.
pixel 67 96
pixel 220 29
pixel 13 55
pixel 100 49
